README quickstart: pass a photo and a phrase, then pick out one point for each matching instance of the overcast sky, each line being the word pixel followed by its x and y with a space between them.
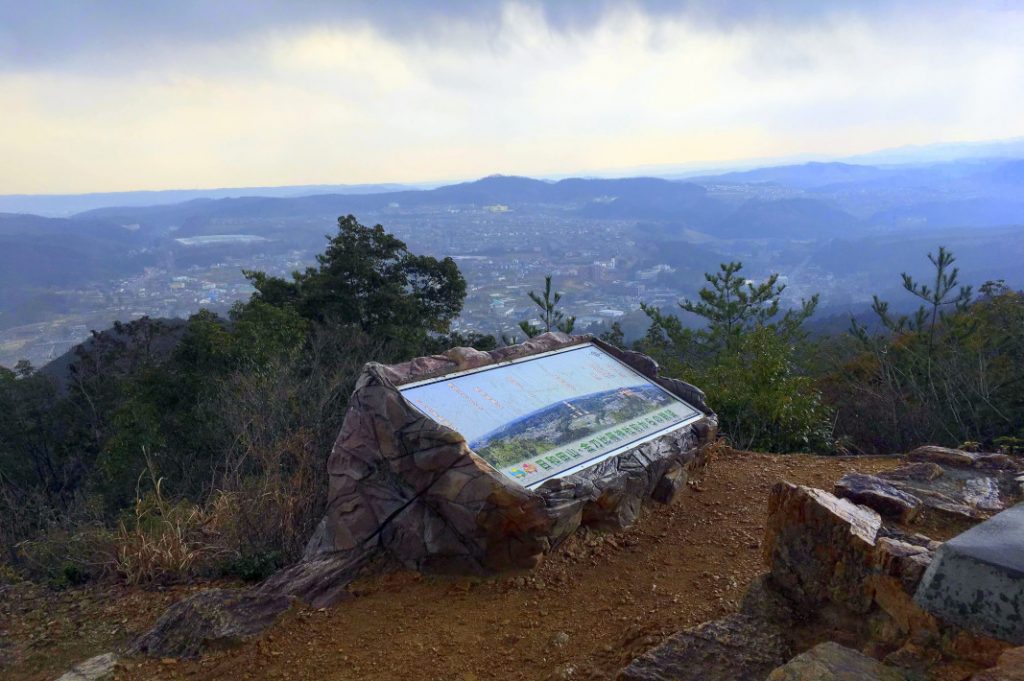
pixel 106 96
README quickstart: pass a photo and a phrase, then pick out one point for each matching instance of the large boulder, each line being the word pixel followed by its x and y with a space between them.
pixel 404 486
pixel 832 662
pixel 820 548
pixel 734 648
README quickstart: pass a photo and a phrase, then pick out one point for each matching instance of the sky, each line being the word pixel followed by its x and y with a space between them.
pixel 116 95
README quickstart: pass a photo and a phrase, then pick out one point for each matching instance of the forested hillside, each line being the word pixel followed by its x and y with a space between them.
pixel 160 450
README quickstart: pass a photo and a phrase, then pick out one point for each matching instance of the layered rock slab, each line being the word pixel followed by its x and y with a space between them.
pixel 819 547
pixel 833 662
pixel 734 648
pixel 977 578
pixel 882 496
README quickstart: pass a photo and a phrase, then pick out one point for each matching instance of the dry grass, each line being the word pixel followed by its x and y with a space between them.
pixel 162 541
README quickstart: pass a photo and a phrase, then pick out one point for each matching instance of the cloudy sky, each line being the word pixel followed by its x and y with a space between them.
pixel 117 95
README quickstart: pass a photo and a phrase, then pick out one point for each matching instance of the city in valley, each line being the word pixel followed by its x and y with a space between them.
pixel 610 245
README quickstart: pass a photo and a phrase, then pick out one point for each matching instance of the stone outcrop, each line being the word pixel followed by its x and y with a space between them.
pixel 210 619
pixel 880 495
pixel 832 662
pixel 959 458
pixel 956 484
pixel 734 648
pixel 828 557
pixel 819 547
pixel 410 489
pixel 850 564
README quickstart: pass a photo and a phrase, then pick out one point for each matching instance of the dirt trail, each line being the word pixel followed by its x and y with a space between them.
pixel 592 606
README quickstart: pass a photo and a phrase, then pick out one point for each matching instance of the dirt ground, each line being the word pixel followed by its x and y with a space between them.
pixel 593 605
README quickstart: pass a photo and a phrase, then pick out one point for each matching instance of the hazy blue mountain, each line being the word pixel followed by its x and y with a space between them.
pixel 38 251
pixel 804 176
pixel 59 205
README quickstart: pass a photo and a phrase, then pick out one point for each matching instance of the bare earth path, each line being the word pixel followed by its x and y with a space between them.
pixel 592 606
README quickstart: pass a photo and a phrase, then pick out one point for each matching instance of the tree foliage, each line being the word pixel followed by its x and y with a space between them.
pixel 551 315
pixel 948 373
pixel 745 358
pixel 367 278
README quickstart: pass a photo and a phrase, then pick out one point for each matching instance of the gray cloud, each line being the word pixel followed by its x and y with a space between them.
pixel 78 35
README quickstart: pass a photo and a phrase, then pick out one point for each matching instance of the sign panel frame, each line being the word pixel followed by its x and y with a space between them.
pixel 645 434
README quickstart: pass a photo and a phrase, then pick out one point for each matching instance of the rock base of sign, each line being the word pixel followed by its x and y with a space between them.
pixel 210 619
pixel 977 578
pixel 407 488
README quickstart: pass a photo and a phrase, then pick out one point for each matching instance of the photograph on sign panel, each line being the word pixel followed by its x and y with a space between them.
pixel 537 418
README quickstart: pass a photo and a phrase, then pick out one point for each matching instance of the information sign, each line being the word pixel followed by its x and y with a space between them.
pixel 551 414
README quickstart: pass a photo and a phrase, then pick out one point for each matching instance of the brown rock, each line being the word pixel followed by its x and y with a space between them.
pixel 670 484
pixel 998 462
pixel 913 658
pixel 734 648
pixel 820 548
pixel 902 560
pixel 1009 668
pixel 833 662
pixel 878 494
pixel 944 456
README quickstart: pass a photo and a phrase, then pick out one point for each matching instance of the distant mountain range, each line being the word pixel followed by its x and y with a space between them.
pixel 63 205
pixel 832 217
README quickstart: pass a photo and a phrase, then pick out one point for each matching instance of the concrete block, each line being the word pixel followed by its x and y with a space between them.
pixel 976 580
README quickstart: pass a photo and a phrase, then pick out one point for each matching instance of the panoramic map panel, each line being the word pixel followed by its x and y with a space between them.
pixel 542 417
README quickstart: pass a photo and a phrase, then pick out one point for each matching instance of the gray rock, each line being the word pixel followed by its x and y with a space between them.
pixel 976 580
pixel 832 662
pixel 209 619
pixel 880 495
pixel 97 668
pixel 763 600
pixel 983 494
pixel 921 471
pixel 734 648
